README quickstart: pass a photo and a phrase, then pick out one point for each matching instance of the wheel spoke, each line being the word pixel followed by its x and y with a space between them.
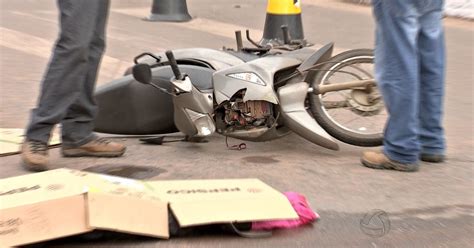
pixel 351 115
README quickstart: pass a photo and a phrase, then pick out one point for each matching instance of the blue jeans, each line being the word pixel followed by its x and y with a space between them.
pixel 410 71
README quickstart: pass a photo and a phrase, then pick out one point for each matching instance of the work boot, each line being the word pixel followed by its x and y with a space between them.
pixel 34 155
pixel 98 147
pixel 432 158
pixel 378 160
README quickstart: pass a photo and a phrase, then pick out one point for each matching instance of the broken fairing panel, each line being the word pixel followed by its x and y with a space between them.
pixel 258 84
pixel 251 113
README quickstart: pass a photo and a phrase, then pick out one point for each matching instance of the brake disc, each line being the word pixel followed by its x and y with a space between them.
pixel 364 103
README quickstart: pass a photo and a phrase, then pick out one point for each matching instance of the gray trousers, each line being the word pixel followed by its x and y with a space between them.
pixel 68 85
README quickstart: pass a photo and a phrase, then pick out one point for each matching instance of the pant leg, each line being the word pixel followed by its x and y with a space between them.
pixel 397 73
pixel 432 72
pixel 67 69
pixel 78 125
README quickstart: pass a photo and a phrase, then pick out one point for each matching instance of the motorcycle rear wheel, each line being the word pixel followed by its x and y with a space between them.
pixel 361 114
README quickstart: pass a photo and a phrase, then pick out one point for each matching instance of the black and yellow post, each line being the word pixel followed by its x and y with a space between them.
pixel 169 11
pixel 279 13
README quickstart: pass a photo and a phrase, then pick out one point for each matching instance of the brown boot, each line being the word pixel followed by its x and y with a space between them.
pixel 378 160
pixel 432 158
pixel 34 155
pixel 99 147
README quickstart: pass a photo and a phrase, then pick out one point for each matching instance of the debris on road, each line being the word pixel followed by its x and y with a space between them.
pixel 63 202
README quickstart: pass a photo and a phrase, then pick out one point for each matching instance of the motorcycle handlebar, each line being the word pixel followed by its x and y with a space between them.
pixel 174 65
pixel 286 34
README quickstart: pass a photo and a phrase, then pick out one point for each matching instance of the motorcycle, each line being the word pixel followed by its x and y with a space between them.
pixel 254 94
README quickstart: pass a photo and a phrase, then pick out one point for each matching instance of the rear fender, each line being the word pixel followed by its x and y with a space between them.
pixel 323 54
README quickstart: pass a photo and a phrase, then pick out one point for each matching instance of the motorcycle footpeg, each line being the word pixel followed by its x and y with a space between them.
pixel 195 139
pixel 153 140
pixel 159 140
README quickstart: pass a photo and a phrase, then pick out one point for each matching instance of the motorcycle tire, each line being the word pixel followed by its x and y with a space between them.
pixel 322 116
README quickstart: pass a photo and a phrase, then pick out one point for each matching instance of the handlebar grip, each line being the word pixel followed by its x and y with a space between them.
pixel 174 65
pixel 238 38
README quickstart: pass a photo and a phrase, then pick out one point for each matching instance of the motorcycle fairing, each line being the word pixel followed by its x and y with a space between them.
pixel 190 106
pixel 217 59
pixel 128 107
pixel 265 68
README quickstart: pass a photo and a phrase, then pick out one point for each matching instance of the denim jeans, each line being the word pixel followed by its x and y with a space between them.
pixel 410 71
pixel 68 85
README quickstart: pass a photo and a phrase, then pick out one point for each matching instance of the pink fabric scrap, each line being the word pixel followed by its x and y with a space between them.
pixel 302 208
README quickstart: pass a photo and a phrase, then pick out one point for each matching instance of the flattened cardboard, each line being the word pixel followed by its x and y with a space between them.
pixel 125 205
pixel 199 202
pixel 135 216
pixel 11 139
pixel 58 203
pixel 40 207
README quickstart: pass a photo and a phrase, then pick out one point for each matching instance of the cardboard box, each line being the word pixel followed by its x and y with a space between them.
pixel 59 203
pixel 199 202
pixel 39 207
pixel 124 205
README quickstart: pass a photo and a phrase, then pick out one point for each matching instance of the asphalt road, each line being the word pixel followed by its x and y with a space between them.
pixel 430 208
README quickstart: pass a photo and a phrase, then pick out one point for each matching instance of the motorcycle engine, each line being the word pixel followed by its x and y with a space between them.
pixel 248 114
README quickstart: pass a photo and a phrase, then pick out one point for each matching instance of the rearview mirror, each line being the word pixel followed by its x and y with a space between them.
pixel 142 73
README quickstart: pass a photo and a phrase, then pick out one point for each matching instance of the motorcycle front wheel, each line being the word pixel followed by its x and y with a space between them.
pixel 355 116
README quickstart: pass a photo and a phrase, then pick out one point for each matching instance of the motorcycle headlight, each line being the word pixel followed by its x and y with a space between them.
pixel 203 123
pixel 247 76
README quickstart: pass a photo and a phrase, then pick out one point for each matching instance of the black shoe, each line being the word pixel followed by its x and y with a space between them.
pixel 432 158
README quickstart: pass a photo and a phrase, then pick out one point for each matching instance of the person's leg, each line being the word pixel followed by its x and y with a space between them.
pixel 67 69
pixel 432 68
pixel 63 79
pixel 396 66
pixel 78 125
pixel 397 75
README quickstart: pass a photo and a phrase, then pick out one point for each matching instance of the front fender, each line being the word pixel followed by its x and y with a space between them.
pixel 296 117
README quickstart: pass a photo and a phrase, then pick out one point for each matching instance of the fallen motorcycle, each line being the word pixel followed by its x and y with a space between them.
pixel 255 94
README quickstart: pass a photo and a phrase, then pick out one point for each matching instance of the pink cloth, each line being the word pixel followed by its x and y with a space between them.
pixel 302 208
